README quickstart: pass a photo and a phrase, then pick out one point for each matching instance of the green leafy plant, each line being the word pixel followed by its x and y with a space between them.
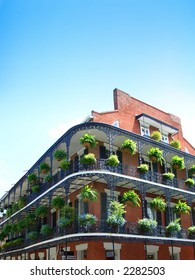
pixel 41 211
pixel 156 135
pixel 131 197
pixel 35 188
pixel 168 175
pixel 32 235
pixel 191 232
pixel 156 155
pixel 58 202
pixel 89 194
pixel 112 161
pixel 192 170
pixel 189 182
pixel 65 164
pixel 116 212
pixel 33 179
pixel 87 219
pixel 182 207
pixel 46 229
pixel 44 167
pixel 143 168
pixel 178 162
pixel 59 155
pixel 88 159
pixel 88 140
pixel 175 144
pixel 147 225
pixel 173 227
pixel 130 146
pixel 158 203
pixel 48 178
pixel 67 216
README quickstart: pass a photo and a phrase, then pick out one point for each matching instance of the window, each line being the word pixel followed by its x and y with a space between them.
pixel 145 131
pixel 152 252
pixel 82 251
pixel 174 253
pixel 165 138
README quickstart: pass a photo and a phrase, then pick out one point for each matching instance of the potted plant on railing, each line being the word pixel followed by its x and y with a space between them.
pixel 44 167
pixel 46 229
pixel 41 211
pixel 147 226
pixel 175 144
pixel 189 182
pixel 112 161
pixel 116 215
pixel 87 221
pixel 88 159
pixel 22 201
pixel 64 164
pixel 130 146
pixel 156 135
pixel 191 232
pixel 168 178
pixel 192 170
pixel 182 207
pixel 88 140
pixel 131 198
pixel 89 194
pixel 48 178
pixel 59 154
pixel 32 235
pixel 58 202
pixel 177 162
pixel 67 216
pixel 143 168
pixel 173 228
pixel 33 179
pixel 156 155
pixel 35 188
pixel 158 204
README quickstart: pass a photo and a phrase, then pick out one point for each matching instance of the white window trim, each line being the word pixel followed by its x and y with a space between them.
pixel 153 249
pixel 176 251
pixel 108 246
pixel 144 126
pixel 80 248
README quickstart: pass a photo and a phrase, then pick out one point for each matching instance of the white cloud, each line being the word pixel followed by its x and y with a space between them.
pixel 60 129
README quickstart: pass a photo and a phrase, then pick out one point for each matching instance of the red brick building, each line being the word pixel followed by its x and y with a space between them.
pixel 33 227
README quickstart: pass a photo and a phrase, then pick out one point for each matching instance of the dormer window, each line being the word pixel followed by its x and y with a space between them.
pixel 145 131
pixel 165 138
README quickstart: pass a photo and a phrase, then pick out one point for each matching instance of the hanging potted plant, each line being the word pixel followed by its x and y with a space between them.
pixel 147 226
pixel 156 135
pixel 143 168
pixel 59 154
pixel 177 162
pixel 131 198
pixel 129 146
pixel 175 144
pixel 173 228
pixel 158 204
pixel 88 159
pixel 189 182
pixel 88 140
pixel 48 178
pixel 58 202
pixel 32 235
pixel 41 211
pixel 115 218
pixel 88 194
pixel 44 167
pixel 182 207
pixel 155 155
pixel 64 164
pixel 112 161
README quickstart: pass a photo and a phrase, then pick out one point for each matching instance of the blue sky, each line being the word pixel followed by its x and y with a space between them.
pixel 60 59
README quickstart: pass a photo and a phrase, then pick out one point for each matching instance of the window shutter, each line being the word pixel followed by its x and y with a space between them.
pixel 104 214
pixel 86 207
pixel 102 152
pixel 159 217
